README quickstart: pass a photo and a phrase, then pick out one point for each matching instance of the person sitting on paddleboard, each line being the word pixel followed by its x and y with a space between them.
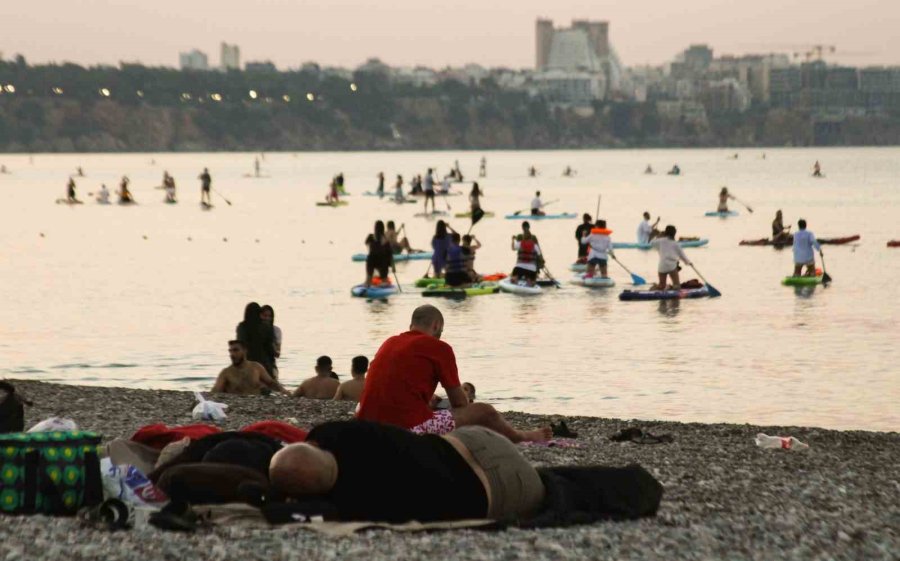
pixel 780 234
pixel 124 193
pixel 649 170
pixel 205 186
pixel 339 179
pixel 583 229
pixel 817 169
pixel 804 242
pixel 647 231
pixel 103 195
pixel 381 255
pixel 398 244
pixel 724 195
pixel 537 205
pixel 601 246
pixel 469 254
pixel 669 254
pixel 456 263
pixel 528 252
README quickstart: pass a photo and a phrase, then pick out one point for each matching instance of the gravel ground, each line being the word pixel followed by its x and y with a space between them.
pixel 724 497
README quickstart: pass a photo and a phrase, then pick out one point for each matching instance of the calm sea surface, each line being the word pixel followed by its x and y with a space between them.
pixel 147 296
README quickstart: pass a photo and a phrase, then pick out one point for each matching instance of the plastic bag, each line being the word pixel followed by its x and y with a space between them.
pixel 129 484
pixel 208 410
pixel 54 424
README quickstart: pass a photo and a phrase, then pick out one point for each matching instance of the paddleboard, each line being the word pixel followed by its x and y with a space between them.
pixel 634 245
pixel 430 214
pixel 398 257
pixel 578 267
pixel 790 239
pixel 592 282
pixel 469 215
pixel 373 292
pixel 725 214
pixel 206 206
pixel 339 203
pixel 478 289
pixel 436 194
pixel 565 215
pixel 431 281
pixel 68 202
pixel 893 243
pixel 507 285
pixel 635 295
pixel 802 281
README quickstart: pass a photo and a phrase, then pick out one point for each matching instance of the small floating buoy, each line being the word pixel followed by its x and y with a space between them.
pixel 42 234
pixel 257 240
pixel 224 239
pixel 190 239
pixel 145 237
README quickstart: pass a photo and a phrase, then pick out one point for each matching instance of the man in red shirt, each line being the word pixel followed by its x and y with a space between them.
pixel 404 374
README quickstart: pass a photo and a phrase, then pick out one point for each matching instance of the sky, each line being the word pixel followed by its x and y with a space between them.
pixel 435 34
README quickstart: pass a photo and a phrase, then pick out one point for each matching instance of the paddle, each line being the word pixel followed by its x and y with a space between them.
pixel 635 279
pixel 750 210
pixel 518 212
pixel 826 278
pixel 446 202
pixel 223 197
pixel 550 276
pixel 713 293
pixel 477 215
pixel 597 214
pixel 396 278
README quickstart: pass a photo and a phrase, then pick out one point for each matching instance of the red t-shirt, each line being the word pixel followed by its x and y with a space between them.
pixel 402 378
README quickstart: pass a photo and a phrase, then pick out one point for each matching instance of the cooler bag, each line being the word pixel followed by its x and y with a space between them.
pixel 53 473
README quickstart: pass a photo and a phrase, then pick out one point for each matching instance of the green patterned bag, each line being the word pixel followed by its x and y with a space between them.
pixel 52 473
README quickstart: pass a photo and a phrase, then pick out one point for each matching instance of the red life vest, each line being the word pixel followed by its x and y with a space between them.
pixel 527 253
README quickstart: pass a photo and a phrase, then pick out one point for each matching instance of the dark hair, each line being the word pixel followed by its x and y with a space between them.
pixel 390 225
pixel 239 343
pixel 586 217
pixel 323 361
pixel 526 225
pixel 268 308
pixel 475 188
pixel 379 230
pixel 359 365
pixel 467 239
pixel 470 384
pixel 537 193
pixel 601 223
pixel 251 313
pixel 670 232
pixel 440 230
pixel 455 237
pixel 802 224
pixel 646 215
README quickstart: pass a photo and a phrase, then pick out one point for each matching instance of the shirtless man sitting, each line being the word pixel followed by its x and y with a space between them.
pixel 352 389
pixel 244 377
pixel 321 386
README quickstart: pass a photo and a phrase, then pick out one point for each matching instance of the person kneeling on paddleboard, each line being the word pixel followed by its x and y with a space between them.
pixel 601 246
pixel 469 254
pixel 647 231
pixel 381 255
pixel 528 252
pixel 804 242
pixel 456 275
pixel 669 254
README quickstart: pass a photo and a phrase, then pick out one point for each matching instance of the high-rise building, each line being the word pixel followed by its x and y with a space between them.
pixel 193 60
pixel 581 51
pixel 543 37
pixel 230 57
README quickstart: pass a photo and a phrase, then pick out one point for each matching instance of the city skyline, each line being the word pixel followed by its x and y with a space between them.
pixel 347 32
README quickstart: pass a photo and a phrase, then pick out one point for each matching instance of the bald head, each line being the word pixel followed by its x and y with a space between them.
pixel 427 319
pixel 302 469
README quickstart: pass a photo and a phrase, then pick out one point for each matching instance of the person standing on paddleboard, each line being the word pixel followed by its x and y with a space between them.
pixel 804 242
pixel 669 254
pixel 601 247
pixel 71 196
pixel 583 229
pixel 475 202
pixel 205 186
pixel 428 186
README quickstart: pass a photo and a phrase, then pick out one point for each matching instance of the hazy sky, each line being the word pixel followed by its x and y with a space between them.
pixel 432 33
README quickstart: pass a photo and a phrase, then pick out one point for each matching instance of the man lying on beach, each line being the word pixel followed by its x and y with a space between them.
pixel 244 377
pixel 321 386
pixel 352 389
pixel 404 374
pixel 368 471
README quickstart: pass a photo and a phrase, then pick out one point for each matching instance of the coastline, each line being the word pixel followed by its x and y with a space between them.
pixel 724 497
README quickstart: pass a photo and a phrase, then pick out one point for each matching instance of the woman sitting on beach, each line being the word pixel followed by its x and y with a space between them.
pixel 258 337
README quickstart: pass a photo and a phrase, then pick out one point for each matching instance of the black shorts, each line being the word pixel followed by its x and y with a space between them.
pixel 520 272
pixel 429 195
pixel 205 188
pixel 582 250
pixel 381 266
pixel 457 278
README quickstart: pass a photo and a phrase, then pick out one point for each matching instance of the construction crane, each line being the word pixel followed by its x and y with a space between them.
pixel 816 52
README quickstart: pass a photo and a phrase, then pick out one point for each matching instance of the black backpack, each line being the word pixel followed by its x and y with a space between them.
pixel 12 409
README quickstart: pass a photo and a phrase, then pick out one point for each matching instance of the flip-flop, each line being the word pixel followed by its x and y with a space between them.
pixel 562 430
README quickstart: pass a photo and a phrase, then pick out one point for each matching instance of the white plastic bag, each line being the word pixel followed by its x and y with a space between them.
pixel 128 484
pixel 54 424
pixel 208 410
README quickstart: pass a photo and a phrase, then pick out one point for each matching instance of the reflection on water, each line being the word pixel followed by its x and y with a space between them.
pixel 148 296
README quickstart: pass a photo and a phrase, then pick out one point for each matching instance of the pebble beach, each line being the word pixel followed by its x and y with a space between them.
pixel 724 497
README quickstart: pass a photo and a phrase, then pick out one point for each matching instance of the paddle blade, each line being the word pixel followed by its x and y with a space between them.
pixel 713 293
pixel 637 279
pixel 477 215
pixel 826 278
